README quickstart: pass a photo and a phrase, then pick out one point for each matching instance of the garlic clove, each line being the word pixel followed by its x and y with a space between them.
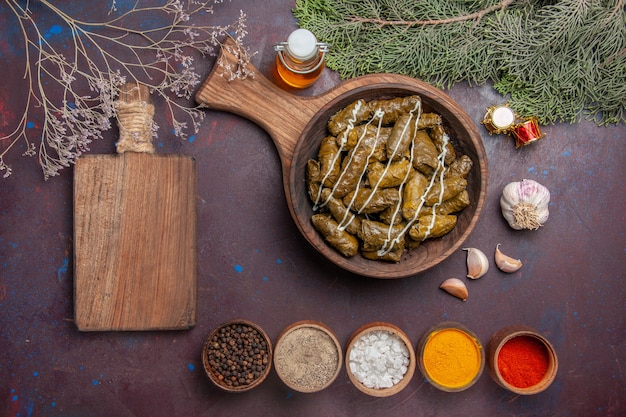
pixel 506 263
pixel 477 263
pixel 455 287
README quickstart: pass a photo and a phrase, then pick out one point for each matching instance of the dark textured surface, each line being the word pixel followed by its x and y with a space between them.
pixel 254 264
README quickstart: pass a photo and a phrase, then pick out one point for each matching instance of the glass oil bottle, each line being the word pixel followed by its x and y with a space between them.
pixel 300 60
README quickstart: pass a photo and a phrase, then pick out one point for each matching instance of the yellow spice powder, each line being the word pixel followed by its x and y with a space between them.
pixel 451 358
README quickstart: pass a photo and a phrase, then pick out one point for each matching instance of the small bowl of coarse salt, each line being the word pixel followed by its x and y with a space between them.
pixel 380 360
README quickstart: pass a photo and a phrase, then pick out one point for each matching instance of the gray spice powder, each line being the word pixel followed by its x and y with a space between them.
pixel 306 357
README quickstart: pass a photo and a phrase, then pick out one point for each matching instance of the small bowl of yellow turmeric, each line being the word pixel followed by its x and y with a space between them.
pixel 451 357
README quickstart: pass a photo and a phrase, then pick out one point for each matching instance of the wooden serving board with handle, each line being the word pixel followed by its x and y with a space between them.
pixel 135 254
pixel 297 124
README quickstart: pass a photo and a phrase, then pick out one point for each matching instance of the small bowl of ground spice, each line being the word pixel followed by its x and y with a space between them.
pixel 380 359
pixel 451 357
pixel 237 356
pixel 521 360
pixel 307 356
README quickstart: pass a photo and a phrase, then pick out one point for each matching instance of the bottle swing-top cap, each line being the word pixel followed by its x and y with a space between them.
pixel 302 45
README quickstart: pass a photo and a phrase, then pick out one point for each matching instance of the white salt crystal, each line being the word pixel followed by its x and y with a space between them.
pixel 386 381
pixel 353 367
pixel 396 346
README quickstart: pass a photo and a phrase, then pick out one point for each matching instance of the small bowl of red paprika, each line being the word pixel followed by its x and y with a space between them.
pixel 521 360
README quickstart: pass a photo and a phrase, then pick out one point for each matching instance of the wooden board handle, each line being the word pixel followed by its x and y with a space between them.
pixel 281 114
pixel 134 117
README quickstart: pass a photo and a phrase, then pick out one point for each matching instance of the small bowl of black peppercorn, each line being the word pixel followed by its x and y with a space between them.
pixel 237 356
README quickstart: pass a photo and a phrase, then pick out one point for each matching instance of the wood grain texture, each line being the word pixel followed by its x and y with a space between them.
pixel 297 126
pixel 135 252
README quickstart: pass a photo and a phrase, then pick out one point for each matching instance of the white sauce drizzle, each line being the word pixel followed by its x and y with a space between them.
pixel 440 169
pixel 377 114
pixel 342 142
pixel 440 164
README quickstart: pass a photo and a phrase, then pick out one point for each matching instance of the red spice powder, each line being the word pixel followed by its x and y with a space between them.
pixel 523 361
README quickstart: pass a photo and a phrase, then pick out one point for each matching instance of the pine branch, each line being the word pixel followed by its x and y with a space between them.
pixel 558 60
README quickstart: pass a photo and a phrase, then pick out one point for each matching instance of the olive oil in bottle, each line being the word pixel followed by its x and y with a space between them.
pixel 300 60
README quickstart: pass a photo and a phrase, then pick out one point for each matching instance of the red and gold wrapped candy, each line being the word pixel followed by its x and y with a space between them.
pixel 502 119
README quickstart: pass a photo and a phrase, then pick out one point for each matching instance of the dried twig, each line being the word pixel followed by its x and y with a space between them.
pixel 99 57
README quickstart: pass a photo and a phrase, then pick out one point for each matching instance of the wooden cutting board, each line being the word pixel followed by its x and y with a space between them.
pixel 135 253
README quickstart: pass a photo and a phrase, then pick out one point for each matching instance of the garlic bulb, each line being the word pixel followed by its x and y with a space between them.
pixel 524 204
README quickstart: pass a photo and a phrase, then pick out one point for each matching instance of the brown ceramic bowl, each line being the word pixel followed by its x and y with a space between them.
pixel 463 135
pixel 258 363
pixel 460 343
pixel 307 356
pixel 297 125
pixel 366 330
pixel 509 334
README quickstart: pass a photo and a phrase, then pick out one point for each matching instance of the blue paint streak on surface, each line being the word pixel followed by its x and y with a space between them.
pixel 54 30
pixel 238 268
pixel 63 268
pixel 30 125
pixel 265 279
pixel 192 138
pixel 95 382
pixel 279 261
pixel 191 367
pixel 14 398
pixel 35 373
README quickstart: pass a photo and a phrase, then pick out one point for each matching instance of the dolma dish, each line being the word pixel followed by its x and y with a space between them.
pixel 386 178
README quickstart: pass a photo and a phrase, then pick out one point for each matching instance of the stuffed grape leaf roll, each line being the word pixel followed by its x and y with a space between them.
pixel 342 241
